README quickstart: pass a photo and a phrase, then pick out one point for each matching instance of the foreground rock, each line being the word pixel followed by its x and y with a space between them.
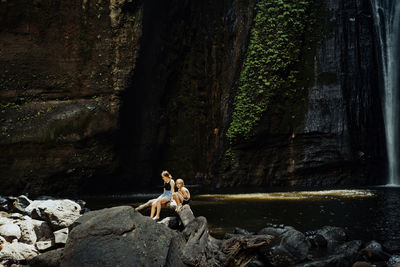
pixel 48 259
pixel 121 236
pixel 394 261
pixel 58 213
pixel 22 238
pixel 10 231
pixel 18 251
pixel 289 247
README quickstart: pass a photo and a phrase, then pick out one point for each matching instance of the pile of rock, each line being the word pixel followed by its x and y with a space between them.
pixel 121 236
pixel 30 227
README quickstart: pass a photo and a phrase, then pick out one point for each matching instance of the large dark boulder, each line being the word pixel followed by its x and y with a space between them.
pixel 288 247
pixel 48 259
pixel 373 251
pixel 394 261
pixel 121 236
pixel 334 236
pixel 343 255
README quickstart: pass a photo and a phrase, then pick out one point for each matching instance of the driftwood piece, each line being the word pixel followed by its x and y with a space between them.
pixel 240 250
pixel 201 249
pixel 168 205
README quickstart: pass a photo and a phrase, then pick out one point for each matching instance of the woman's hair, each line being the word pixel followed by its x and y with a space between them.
pixel 180 181
pixel 166 174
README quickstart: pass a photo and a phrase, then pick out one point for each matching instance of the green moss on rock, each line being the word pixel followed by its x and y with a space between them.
pixel 278 66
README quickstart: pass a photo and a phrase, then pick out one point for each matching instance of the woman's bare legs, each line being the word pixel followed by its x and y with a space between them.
pixel 174 197
pixel 159 203
pixel 153 208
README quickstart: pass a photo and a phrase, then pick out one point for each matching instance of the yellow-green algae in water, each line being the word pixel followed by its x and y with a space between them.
pixel 293 195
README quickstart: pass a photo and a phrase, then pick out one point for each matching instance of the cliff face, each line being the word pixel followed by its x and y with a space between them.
pixel 80 113
pixel 177 106
pixel 101 95
pixel 62 67
pixel 341 140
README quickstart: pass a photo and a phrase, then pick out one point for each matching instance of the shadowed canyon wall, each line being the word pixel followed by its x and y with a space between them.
pixel 62 68
pixel 339 138
pixel 100 96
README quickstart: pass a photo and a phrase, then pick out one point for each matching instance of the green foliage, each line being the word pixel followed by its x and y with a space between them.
pixel 273 64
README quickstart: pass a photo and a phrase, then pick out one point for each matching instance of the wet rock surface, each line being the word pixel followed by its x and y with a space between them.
pixel 121 236
pixel 124 237
pixel 288 247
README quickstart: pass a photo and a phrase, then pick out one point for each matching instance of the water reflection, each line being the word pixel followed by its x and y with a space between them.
pixel 299 195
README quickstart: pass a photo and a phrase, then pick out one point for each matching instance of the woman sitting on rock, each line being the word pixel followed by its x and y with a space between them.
pixel 182 196
pixel 169 188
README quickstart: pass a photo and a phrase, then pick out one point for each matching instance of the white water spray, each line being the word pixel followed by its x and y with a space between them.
pixel 387 22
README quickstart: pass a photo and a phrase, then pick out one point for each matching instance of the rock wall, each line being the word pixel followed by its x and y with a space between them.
pixel 176 109
pixel 62 68
pixel 341 140
pixel 104 95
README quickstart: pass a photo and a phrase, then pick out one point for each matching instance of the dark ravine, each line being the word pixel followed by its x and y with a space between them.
pixel 104 95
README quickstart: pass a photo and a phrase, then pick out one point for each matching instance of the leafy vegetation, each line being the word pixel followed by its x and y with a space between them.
pixel 283 35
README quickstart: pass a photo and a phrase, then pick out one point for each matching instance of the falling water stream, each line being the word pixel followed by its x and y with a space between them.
pixel 387 22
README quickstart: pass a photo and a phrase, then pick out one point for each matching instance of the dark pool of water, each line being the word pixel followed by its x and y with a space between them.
pixel 367 218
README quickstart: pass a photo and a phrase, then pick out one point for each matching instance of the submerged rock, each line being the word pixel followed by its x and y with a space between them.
pixel 344 255
pixel 241 231
pixel 362 264
pixel 120 236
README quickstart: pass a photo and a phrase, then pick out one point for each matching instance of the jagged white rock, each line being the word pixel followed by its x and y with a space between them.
pixel 18 251
pixel 58 213
pixel 10 231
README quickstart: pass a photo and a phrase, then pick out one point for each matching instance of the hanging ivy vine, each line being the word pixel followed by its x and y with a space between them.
pixel 273 62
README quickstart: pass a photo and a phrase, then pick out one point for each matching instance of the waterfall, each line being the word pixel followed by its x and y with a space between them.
pixel 386 15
